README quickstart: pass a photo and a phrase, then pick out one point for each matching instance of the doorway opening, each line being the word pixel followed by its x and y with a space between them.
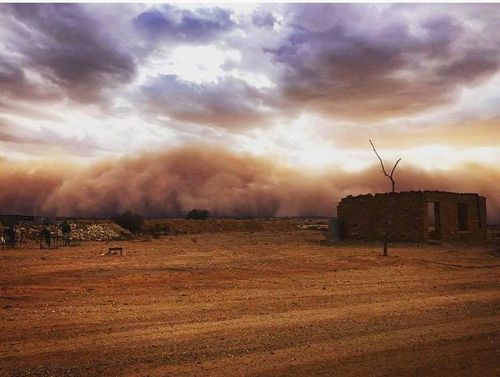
pixel 463 217
pixel 433 220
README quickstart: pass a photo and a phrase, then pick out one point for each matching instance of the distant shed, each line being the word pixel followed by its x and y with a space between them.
pixel 417 216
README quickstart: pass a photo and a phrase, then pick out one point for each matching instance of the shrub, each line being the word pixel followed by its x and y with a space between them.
pixel 65 227
pixel 46 235
pixel 130 221
pixel 159 229
pixel 198 214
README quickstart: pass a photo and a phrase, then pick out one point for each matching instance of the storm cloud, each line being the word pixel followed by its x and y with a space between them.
pixel 229 103
pixel 69 48
pixel 368 62
pixel 200 25
pixel 361 62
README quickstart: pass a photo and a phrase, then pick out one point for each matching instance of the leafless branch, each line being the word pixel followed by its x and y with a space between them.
pixel 381 162
pixel 394 168
pixel 390 176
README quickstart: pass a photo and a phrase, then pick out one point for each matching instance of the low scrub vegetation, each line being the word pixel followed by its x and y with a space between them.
pixel 198 214
pixel 131 221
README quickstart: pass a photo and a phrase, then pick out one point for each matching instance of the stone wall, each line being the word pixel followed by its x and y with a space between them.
pixel 404 216
pixel 400 215
pixel 448 208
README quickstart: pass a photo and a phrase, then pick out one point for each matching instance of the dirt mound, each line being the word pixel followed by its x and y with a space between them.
pixel 179 226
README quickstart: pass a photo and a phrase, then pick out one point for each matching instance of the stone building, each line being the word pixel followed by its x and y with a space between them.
pixel 417 216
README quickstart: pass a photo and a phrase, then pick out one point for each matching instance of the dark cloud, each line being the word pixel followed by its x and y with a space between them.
pixel 183 25
pixel 357 61
pixel 474 65
pixel 263 18
pixel 66 46
pixel 228 103
pixel 441 31
pixel 15 85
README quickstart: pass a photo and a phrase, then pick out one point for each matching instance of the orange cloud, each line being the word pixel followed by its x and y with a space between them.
pixel 172 183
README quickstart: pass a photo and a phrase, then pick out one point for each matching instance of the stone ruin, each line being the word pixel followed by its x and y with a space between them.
pixel 417 216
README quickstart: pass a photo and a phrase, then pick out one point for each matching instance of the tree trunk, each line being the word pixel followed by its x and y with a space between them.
pixel 385 245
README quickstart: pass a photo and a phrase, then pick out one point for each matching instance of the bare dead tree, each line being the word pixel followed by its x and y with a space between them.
pixel 391 175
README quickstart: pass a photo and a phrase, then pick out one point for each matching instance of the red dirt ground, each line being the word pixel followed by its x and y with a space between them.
pixel 261 304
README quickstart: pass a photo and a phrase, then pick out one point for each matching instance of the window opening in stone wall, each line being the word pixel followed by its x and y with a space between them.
pixel 479 222
pixel 433 220
pixel 463 216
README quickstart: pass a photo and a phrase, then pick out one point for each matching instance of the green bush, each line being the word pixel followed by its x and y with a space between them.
pixel 46 235
pixel 159 229
pixel 198 214
pixel 130 221
pixel 65 227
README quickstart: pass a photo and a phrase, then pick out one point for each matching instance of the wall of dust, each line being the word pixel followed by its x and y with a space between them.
pixel 174 182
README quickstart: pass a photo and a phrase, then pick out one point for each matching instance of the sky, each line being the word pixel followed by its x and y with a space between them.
pixel 246 109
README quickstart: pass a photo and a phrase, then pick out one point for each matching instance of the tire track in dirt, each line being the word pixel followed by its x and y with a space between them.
pixel 240 304
pixel 246 325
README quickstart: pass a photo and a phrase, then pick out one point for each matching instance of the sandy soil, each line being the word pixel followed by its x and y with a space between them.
pixel 261 304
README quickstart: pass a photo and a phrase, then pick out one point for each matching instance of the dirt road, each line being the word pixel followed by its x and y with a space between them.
pixel 261 304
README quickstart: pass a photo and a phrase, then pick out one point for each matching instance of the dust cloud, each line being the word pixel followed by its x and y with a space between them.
pixel 228 184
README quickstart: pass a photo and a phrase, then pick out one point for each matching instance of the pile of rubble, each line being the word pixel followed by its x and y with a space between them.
pixel 106 231
pixel 321 227
pixel 98 232
pixel 313 224
pixel 31 232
